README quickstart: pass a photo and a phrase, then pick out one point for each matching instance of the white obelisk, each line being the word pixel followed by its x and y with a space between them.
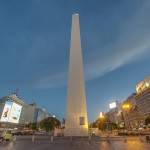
pixel 76 112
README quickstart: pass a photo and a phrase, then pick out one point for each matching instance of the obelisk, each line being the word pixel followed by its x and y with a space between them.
pixel 76 111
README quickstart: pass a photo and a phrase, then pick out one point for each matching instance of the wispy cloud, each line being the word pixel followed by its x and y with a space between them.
pixel 52 81
pixel 130 44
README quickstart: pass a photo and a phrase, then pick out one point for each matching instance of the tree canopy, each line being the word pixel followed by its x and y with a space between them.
pixel 49 124
pixel 103 124
pixel 147 121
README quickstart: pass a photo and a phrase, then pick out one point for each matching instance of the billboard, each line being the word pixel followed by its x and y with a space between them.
pixel 6 111
pixel 15 113
pixel 141 86
pixel 11 112
pixel 113 105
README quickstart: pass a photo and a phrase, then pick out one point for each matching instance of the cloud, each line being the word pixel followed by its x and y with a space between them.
pixel 106 64
pixel 52 81
pixel 129 44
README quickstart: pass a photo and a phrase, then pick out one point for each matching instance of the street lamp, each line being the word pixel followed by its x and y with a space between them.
pixel 126 107
pixel 107 125
pixel 101 116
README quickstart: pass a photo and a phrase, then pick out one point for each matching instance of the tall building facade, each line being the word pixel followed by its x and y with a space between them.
pixel 76 111
pixel 32 113
pixel 139 105
pixel 131 114
pixel 143 104
pixel 115 114
pixel 142 99
pixel 143 85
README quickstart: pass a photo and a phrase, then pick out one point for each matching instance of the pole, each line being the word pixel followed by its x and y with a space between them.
pixel 33 138
pixel 125 139
pixel 108 140
pixel 89 139
pixel 128 120
pixel 51 138
pixel 141 138
pixel 14 140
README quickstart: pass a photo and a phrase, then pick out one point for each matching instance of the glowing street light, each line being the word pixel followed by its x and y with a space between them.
pixel 126 107
pixel 101 115
pixel 101 120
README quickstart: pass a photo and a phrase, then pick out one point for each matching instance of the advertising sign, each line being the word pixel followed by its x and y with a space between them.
pixel 113 105
pixel 11 112
pixel 140 86
pixel 6 111
pixel 15 113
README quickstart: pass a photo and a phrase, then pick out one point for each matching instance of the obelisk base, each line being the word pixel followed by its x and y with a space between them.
pixel 76 132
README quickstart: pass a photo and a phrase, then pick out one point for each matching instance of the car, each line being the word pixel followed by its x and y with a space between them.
pixel 18 133
pixel 5 135
pixel 40 133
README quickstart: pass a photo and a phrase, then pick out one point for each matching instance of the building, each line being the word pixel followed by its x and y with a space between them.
pixel 143 85
pixel 115 114
pixel 13 111
pixel 130 114
pixel 139 105
pixel 32 113
pixel 142 99
pixel 143 104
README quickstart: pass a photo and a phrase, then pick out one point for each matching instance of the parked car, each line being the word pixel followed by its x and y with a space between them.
pixel 5 135
pixel 40 133
pixel 18 133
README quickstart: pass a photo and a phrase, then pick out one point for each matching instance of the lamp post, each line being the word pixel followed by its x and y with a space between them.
pixel 102 118
pixel 107 125
pixel 126 107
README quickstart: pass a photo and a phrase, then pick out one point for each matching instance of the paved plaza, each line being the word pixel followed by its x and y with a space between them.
pixel 45 143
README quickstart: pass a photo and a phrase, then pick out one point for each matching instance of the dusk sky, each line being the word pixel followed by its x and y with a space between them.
pixel 35 45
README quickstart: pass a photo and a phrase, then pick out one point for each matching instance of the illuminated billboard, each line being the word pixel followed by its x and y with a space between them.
pixel 113 105
pixel 15 113
pixel 11 112
pixel 6 111
pixel 140 86
pixel 143 85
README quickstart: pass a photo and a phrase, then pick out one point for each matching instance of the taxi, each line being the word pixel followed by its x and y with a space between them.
pixel 5 135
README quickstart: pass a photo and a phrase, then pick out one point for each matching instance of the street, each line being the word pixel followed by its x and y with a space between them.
pixel 75 143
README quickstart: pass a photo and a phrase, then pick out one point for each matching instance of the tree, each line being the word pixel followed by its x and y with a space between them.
pixel 147 121
pixel 100 123
pixel 32 126
pixel 112 126
pixel 103 124
pixel 49 124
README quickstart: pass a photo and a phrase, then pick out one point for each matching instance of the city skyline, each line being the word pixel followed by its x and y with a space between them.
pixel 35 43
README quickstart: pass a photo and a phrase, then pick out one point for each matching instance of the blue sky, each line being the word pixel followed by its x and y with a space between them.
pixel 35 43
